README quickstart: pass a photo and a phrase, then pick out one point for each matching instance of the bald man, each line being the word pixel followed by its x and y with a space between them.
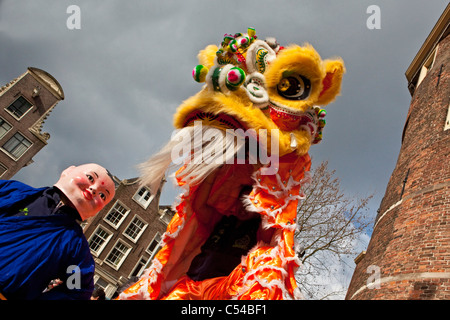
pixel 40 236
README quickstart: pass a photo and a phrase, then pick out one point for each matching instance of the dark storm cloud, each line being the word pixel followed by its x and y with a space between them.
pixel 128 68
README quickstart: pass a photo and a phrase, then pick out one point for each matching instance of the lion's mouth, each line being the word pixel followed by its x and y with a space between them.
pixel 286 118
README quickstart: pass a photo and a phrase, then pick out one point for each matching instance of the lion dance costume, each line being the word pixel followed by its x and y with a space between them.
pixel 275 93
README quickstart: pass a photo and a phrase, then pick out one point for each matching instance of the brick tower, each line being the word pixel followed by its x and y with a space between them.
pixel 408 256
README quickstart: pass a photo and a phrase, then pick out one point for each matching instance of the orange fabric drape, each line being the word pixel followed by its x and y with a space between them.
pixel 267 272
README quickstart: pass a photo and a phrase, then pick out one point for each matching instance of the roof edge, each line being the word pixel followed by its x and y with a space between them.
pixel 48 80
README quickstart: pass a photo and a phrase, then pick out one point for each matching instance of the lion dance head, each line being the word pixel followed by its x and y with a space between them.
pixel 254 91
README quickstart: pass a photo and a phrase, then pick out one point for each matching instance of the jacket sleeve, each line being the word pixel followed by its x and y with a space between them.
pixel 12 192
pixel 77 278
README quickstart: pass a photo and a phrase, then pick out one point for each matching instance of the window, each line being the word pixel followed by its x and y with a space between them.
pixel 135 229
pixel 154 244
pixel 17 145
pixel 166 216
pixel 101 283
pixel 98 240
pixel 3 169
pixel 4 127
pixel 137 271
pixel 116 215
pixel 447 121
pixel 143 197
pixel 118 254
pixel 427 66
pixel 19 107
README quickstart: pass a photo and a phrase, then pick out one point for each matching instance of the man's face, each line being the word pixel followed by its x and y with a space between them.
pixel 88 187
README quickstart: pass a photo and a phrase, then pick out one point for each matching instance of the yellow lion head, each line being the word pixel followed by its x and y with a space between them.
pixel 256 84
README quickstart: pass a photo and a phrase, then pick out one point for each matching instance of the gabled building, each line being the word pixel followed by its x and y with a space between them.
pixel 25 103
pixel 125 235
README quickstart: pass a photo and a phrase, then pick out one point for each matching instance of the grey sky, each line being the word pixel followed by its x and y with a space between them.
pixel 129 67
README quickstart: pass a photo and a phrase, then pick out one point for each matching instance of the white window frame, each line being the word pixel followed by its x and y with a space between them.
pixel 153 239
pixel 122 259
pixel 103 245
pixel 140 232
pixel 145 261
pixel 447 121
pixel 116 226
pixel 427 66
pixel 23 115
pixel 12 156
pixel 10 127
pixel 140 198
pixel 166 213
pixel 6 169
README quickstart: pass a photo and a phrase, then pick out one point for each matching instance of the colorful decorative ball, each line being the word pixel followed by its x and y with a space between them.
pixel 322 113
pixel 227 38
pixel 244 41
pixel 235 77
pixel 219 52
pixel 233 46
pixel 199 73
pixel 251 32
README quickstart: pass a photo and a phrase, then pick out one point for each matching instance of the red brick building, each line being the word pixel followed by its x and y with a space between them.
pixel 25 103
pixel 408 256
pixel 125 235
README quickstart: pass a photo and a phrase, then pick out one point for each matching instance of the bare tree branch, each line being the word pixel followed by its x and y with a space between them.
pixel 328 224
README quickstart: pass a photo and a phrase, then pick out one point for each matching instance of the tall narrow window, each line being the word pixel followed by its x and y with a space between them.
pixel 17 145
pixel 154 244
pixel 139 268
pixel 19 107
pixel 3 169
pixel 447 121
pixel 135 229
pixel 118 254
pixel 116 215
pixel 4 127
pixel 98 240
pixel 427 66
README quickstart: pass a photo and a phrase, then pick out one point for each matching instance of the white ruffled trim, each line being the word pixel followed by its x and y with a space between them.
pixel 251 277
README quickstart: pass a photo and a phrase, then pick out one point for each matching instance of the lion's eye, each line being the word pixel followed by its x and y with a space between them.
pixel 294 87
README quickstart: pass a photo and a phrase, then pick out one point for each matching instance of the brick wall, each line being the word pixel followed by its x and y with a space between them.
pixel 410 244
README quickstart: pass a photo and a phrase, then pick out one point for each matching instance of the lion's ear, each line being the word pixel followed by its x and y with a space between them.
pixel 332 81
pixel 206 56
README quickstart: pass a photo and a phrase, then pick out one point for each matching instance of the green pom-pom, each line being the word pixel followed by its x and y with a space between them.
pixel 199 73
pixel 235 77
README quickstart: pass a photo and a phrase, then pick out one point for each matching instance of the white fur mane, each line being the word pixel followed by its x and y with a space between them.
pixel 204 149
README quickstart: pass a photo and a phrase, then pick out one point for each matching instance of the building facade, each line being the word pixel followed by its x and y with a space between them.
pixel 125 235
pixel 408 256
pixel 25 103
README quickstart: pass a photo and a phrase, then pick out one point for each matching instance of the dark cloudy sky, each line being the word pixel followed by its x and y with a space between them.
pixel 129 66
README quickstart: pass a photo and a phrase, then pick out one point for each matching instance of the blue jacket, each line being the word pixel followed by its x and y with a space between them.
pixel 37 249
